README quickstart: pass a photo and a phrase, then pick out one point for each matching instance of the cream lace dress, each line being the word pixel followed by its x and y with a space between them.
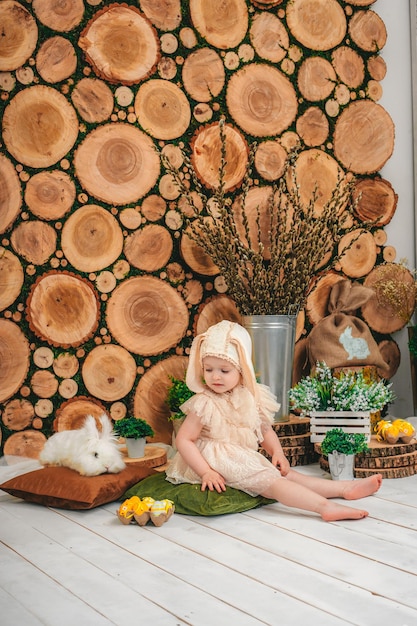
pixel 229 439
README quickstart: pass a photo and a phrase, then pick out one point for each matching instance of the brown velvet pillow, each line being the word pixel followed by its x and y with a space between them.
pixel 64 488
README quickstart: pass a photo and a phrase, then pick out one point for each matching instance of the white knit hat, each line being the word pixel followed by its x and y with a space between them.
pixel 225 340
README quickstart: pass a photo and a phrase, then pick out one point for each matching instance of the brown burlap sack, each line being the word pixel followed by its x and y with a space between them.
pixel 341 339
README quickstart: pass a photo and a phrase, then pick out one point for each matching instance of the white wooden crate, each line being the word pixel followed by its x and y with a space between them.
pixel 322 421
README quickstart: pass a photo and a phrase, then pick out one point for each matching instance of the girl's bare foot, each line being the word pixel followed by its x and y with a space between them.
pixel 332 512
pixel 361 488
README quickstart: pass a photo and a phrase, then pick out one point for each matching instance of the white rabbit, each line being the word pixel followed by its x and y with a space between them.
pixel 85 450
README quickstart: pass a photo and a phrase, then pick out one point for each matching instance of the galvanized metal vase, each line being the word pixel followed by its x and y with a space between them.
pixel 273 339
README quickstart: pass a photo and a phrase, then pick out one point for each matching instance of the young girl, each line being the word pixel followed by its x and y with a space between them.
pixel 229 416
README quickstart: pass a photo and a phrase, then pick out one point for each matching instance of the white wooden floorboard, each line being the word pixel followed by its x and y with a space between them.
pixel 269 566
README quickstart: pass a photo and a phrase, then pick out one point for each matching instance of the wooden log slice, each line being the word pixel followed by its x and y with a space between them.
pixel 27 444
pixel 44 384
pixel 391 354
pixel 63 309
pixel 50 194
pixel 266 4
pixel 153 207
pixel 117 163
pixel 374 90
pixel 14 358
pixel 395 298
pixel 261 100
pixel 18 414
pixel 19 35
pixel 146 315
pixel 150 401
pixel 203 74
pixel 43 357
pixel 316 172
pixel 364 137
pixel 359 254
pixel 222 23
pixel 167 68
pixel 65 365
pixel 106 282
pixel 72 413
pixel 60 15
pixel 295 426
pixel 349 66
pixel 121 44
pixel 317 301
pixel 153 457
pixel 68 388
pixel 269 37
pixel 296 441
pixel 313 127
pixel 368 31
pixel 194 256
pixel 118 411
pixel 93 100
pixel 39 126
pixel 361 3
pixel 270 158
pixel 317 24
pixel 377 67
pixel 215 310
pixel 35 241
pixel 162 109
pixel 91 238
pixel 374 200
pixel 316 79
pixel 150 248
pixel 398 472
pixel 109 372
pixel 10 194
pixel 44 408
pixel 164 14
pixel 11 278
pixel 56 59
pixel 206 156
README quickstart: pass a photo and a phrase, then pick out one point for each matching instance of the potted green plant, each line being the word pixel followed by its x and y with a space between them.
pixel 348 391
pixel 134 430
pixel 267 255
pixel 178 393
pixel 347 399
pixel 340 447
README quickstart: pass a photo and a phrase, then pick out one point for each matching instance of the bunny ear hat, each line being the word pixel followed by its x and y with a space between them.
pixel 225 340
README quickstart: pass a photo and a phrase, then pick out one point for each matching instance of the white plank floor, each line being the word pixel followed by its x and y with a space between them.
pixel 272 566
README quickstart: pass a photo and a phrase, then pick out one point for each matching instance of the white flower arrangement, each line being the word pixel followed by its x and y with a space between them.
pixel 350 391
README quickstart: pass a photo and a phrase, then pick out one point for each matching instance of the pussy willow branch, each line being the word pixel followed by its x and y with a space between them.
pixel 299 235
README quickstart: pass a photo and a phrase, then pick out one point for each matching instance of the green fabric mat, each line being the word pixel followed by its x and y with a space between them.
pixel 190 500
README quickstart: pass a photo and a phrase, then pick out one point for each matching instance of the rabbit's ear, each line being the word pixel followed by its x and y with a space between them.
pixel 106 426
pixel 90 426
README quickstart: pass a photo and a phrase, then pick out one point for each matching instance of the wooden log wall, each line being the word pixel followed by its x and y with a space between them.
pixel 101 291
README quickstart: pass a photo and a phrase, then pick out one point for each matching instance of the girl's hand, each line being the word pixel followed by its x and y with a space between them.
pixel 281 462
pixel 213 480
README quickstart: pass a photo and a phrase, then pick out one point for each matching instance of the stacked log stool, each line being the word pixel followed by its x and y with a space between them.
pixel 294 436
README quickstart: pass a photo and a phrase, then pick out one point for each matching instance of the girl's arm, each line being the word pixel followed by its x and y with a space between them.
pixel 185 443
pixel 272 445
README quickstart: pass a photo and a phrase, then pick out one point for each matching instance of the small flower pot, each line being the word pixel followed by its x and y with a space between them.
pixel 135 448
pixel 341 466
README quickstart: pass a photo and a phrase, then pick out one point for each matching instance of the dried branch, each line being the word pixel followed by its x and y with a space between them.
pixel 299 237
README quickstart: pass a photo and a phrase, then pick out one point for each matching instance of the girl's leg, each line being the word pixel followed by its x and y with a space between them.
pixel 347 489
pixel 296 495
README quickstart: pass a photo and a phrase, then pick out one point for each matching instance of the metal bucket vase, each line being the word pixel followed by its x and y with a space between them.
pixel 273 339
pixel 341 466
